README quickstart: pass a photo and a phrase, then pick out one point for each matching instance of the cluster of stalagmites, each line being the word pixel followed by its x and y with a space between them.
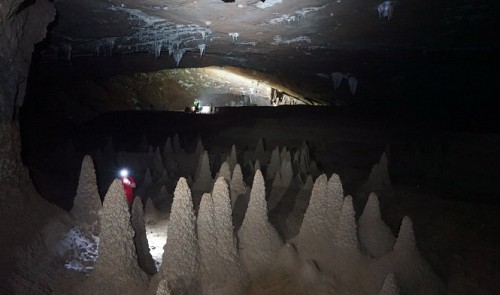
pixel 227 245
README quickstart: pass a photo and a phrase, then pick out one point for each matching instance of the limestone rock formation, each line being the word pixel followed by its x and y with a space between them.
pixel 116 269
pixel 314 238
pixel 379 180
pixel 375 236
pixel 220 263
pixel 294 219
pixel 163 288
pixel 203 181
pixel 180 257
pixel 145 259
pixel 232 159
pixel 224 171
pixel 259 241
pixel 274 165
pixel 87 202
pixel 151 214
pixel 389 287
pixel 237 185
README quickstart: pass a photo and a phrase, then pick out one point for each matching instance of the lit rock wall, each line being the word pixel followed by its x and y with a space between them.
pixel 22 24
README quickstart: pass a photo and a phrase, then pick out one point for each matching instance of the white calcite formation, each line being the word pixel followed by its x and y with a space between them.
pixel 259 242
pixel 221 271
pixel 87 203
pixel 116 270
pixel 375 236
pixel 203 181
pixel 237 185
pixel 379 180
pixel 180 257
pixel 318 226
pixel 274 165
pixel 145 259
pixel 281 183
pixel 389 287
pixel 224 171
pixel 412 272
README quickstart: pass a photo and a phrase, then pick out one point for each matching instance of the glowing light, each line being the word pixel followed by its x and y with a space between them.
pixel 124 173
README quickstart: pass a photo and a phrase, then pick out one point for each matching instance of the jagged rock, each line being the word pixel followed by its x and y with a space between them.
pixel 87 203
pixel 274 164
pixel 224 171
pixel 199 147
pixel 203 181
pixel 318 226
pixel 412 272
pixel 163 288
pixel 285 155
pixel 375 236
pixel 289 259
pixel 180 256
pixel 116 269
pixel 379 180
pixel 281 184
pixel 151 214
pixel 259 241
pixel 389 287
pixel 221 269
pixel 146 261
pixel 237 185
pixel 294 219
pixel 232 159
pixel 346 234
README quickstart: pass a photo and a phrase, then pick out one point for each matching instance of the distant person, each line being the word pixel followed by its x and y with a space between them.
pixel 128 185
pixel 196 106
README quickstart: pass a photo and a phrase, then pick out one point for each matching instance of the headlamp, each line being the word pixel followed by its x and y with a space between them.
pixel 124 173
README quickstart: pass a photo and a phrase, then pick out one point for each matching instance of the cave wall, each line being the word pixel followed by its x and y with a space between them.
pixel 22 24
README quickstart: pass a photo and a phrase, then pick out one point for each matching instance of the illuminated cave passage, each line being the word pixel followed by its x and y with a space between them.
pixel 277 147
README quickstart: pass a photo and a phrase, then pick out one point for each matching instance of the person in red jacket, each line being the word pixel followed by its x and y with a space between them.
pixel 128 185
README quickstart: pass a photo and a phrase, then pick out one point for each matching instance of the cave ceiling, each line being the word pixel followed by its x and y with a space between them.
pixel 304 34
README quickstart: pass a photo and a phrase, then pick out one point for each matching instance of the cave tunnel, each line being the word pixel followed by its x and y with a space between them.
pixel 277 147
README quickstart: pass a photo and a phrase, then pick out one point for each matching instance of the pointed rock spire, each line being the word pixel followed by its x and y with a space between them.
pixel 274 164
pixel 375 236
pixel 87 203
pixel 346 238
pixel 237 185
pixel 203 181
pixel 146 261
pixel 232 159
pixel 389 287
pixel 116 270
pixel 259 241
pixel 180 256
pixel 224 171
pixel 218 252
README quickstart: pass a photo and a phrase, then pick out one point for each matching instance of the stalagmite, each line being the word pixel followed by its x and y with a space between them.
pixel 289 259
pixel 220 266
pixel 412 272
pixel 167 148
pixel 335 191
pixel 232 159
pixel 375 236
pixel 180 256
pixel 389 287
pixel 285 155
pixel 176 144
pixel 148 180
pixel 281 184
pixel 146 261
pixel 87 203
pixel 314 238
pixel 294 219
pixel 274 164
pixel 346 235
pixel 199 147
pixel 163 288
pixel 237 185
pixel 224 171
pixel 260 146
pixel 259 241
pixel 203 181
pixel 151 214
pixel 379 180
pixel 116 270
pixel 157 163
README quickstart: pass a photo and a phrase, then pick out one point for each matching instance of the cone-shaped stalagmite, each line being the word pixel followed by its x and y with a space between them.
pixel 224 171
pixel 237 184
pixel 274 165
pixel 413 274
pixel 346 234
pixel 232 159
pixel 314 238
pixel 180 256
pixel 375 236
pixel 259 241
pixel 87 203
pixel 203 181
pixel 146 261
pixel 389 287
pixel 116 270
pixel 220 265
